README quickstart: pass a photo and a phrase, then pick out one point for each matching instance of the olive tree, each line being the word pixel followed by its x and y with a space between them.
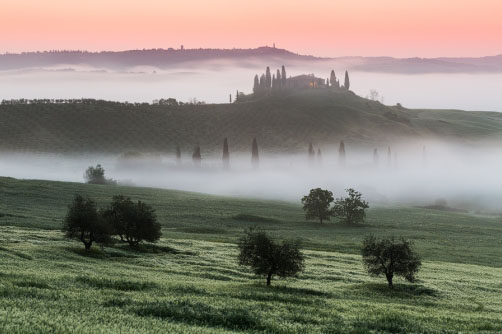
pixel 351 208
pixel 317 204
pixel 389 257
pixel 132 222
pixel 83 222
pixel 268 258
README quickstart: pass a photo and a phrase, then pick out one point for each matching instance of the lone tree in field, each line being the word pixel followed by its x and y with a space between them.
pixel 317 204
pixel 226 154
pixel 95 175
pixel 255 157
pixel 132 222
pixel 346 85
pixel 351 208
pixel 83 222
pixel 196 157
pixel 268 258
pixel 390 256
pixel 341 154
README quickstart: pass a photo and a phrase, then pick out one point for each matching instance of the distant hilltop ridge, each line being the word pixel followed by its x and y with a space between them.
pixel 172 58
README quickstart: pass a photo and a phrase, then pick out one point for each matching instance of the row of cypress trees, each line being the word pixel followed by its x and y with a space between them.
pixel 312 155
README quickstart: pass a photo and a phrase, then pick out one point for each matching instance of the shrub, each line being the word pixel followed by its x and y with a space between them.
pixel 96 175
pixel 390 256
pixel 132 222
pixel 83 222
pixel 317 204
pixel 268 258
pixel 351 209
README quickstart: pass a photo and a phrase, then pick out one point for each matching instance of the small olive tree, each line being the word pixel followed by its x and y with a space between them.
pixel 317 204
pixel 351 208
pixel 268 258
pixel 132 222
pixel 390 256
pixel 84 223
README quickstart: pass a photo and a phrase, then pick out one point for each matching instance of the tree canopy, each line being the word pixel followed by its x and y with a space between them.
pixel 389 257
pixel 351 209
pixel 268 258
pixel 317 204
pixel 83 222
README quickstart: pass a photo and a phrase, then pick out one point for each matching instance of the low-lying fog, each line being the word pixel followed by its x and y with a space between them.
pixel 213 83
pixel 467 179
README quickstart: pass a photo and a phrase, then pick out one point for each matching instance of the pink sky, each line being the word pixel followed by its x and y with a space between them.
pixel 402 28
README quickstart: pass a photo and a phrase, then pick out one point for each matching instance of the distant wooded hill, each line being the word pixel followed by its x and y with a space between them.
pixel 282 122
pixel 171 58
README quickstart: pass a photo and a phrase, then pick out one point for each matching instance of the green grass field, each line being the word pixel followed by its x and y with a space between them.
pixel 189 282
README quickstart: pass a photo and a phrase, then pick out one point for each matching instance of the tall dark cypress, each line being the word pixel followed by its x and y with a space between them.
pixel 278 78
pixel 283 76
pixel 178 155
pixel 332 78
pixel 268 78
pixel 256 85
pixel 263 83
pixel 319 156
pixel 196 156
pixel 341 154
pixel 389 157
pixel 255 157
pixel 226 154
pixel 347 81
pixel 311 153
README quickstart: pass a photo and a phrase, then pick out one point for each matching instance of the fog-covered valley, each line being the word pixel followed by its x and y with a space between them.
pixel 466 178
pixel 213 82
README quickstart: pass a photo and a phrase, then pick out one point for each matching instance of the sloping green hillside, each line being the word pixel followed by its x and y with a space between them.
pixel 284 122
pixel 189 282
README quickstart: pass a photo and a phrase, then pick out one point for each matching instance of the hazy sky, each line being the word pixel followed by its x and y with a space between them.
pixel 401 28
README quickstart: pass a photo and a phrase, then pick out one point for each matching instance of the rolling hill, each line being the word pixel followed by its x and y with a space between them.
pixel 190 282
pixel 284 122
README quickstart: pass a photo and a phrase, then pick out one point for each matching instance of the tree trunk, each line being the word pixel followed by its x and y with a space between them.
pixel 269 278
pixel 389 279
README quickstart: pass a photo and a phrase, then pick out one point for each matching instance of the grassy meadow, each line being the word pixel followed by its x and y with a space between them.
pixel 190 282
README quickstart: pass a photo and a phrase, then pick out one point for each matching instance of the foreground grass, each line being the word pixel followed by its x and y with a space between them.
pixel 439 236
pixel 50 285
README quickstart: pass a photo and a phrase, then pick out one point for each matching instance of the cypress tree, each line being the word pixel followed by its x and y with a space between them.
pixel 262 83
pixel 256 85
pixel 255 157
pixel 347 81
pixel 196 156
pixel 283 76
pixel 226 154
pixel 389 157
pixel 274 82
pixel 319 156
pixel 311 153
pixel 268 78
pixel 341 153
pixel 332 78
pixel 178 155
pixel 278 78
pixel 375 156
